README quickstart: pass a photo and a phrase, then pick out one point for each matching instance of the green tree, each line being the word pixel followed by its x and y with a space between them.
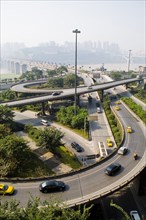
pixel 50 138
pixel 51 73
pixel 9 95
pixel 56 83
pixel 126 216
pixel 4 131
pixel 6 115
pixel 15 151
pixel 35 209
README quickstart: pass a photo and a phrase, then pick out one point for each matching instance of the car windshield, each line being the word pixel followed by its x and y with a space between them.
pixel 5 187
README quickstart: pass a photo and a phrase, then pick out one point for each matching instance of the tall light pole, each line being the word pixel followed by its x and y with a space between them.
pixel 129 60
pixel 76 31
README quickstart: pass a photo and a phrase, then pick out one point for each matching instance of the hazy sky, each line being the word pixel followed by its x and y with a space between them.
pixel 32 22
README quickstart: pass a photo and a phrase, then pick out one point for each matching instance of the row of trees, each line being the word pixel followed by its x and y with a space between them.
pixel 48 137
pixel 66 116
pixel 115 127
pixel 137 109
pixel 118 75
pixel 36 73
pixel 16 158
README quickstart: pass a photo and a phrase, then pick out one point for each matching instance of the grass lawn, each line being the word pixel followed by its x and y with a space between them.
pixel 34 168
pixel 9 76
pixel 66 157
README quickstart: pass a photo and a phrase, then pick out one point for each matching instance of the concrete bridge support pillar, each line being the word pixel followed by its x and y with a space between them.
pixel 126 86
pixel 43 108
pixel 101 97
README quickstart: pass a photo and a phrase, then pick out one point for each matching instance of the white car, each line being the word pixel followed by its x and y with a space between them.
pixel 89 87
pixel 98 110
pixel 122 150
pixel 134 215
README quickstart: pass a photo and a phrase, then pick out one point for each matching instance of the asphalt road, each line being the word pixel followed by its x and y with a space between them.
pixel 93 182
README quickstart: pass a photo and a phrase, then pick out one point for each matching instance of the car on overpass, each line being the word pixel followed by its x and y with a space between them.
pixel 51 186
pixel 6 189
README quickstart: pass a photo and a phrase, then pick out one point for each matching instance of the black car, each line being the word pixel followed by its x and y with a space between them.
pixel 112 169
pixel 97 104
pixel 76 146
pixel 55 93
pixel 51 186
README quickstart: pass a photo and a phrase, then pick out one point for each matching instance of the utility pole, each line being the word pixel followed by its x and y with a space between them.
pixel 76 31
pixel 129 60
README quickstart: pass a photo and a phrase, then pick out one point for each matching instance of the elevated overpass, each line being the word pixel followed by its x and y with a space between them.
pixel 63 93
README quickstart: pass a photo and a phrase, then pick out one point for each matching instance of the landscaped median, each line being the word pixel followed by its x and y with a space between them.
pixel 137 109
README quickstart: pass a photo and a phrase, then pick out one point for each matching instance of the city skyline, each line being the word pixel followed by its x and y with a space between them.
pixel 35 22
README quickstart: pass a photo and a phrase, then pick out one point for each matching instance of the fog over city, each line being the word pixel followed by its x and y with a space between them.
pixel 43 31
pixel 35 22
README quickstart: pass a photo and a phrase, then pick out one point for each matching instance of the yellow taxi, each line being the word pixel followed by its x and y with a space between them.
pixel 117 108
pixel 129 129
pixel 5 189
pixel 109 142
pixel 118 102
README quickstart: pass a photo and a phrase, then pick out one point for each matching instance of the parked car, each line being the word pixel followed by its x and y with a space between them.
pixel 122 150
pixel 76 146
pixel 51 186
pixel 5 189
pixel 129 129
pixel 89 87
pixel 134 215
pixel 112 169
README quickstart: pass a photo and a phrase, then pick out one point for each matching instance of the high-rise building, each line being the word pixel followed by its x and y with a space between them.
pixel 12 67
pixel 17 68
pixel 24 68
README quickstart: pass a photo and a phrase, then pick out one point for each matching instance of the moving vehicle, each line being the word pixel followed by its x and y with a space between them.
pixel 76 146
pixel 97 104
pixel 134 215
pixel 117 108
pixel 122 150
pixel 55 93
pixel 129 129
pixel 135 156
pixel 51 186
pixel 112 169
pixel 44 122
pixel 89 87
pixel 98 110
pixel 5 189
pixel 109 142
pixel 118 102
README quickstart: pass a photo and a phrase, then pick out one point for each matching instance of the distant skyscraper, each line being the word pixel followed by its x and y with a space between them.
pixel 12 67
pixel 24 68
pixel 17 68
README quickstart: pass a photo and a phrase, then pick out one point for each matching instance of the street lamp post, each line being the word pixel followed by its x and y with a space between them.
pixel 76 31
pixel 129 60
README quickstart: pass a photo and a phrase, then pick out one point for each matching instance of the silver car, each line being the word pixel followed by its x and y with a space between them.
pixel 122 150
